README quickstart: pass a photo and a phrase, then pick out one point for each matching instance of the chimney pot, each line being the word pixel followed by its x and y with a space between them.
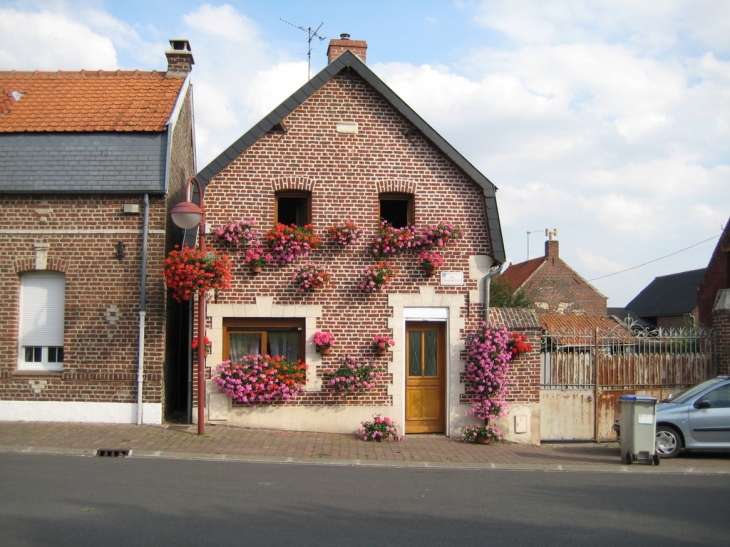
pixel 344 36
pixel 179 58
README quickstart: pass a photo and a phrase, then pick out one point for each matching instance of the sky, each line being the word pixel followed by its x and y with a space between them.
pixel 606 120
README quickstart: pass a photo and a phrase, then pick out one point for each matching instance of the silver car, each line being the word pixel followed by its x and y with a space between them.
pixel 695 419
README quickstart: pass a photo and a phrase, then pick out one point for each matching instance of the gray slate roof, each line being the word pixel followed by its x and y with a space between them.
pixel 351 61
pixel 668 295
pixel 82 163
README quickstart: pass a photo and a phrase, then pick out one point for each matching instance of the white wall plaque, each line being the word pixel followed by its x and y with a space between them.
pixel 454 279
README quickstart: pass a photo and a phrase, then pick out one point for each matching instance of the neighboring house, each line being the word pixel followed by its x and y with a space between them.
pixel 670 301
pixel 553 286
pixel 342 148
pixel 715 279
pixel 89 161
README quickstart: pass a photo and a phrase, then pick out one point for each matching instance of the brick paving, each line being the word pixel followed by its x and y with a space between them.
pixel 225 442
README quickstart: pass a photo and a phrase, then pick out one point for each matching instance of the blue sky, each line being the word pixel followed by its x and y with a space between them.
pixel 607 119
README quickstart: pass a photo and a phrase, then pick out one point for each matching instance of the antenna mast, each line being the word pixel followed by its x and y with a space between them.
pixel 312 34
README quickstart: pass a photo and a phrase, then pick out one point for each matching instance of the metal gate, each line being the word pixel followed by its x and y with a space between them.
pixel 584 372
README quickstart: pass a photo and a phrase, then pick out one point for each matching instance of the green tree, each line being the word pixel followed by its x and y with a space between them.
pixel 501 295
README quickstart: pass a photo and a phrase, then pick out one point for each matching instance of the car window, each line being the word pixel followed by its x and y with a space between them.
pixel 689 394
pixel 719 398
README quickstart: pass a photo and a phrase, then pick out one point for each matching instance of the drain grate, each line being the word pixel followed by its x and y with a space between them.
pixel 111 453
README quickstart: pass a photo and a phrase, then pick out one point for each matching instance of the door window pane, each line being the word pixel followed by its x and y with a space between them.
pixel 431 363
pixel 414 353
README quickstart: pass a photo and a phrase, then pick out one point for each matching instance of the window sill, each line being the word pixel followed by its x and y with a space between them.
pixel 36 373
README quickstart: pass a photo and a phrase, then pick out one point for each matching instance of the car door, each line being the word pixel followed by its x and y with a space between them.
pixel 709 417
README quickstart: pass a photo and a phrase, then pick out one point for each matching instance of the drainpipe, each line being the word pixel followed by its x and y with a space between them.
pixel 494 270
pixel 142 309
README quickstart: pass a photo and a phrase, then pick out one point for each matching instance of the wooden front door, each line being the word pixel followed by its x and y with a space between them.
pixel 425 377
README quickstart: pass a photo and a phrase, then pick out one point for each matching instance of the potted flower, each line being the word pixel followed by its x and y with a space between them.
pixel 207 345
pixel 258 379
pixel 438 235
pixel 378 277
pixel 382 344
pixel 290 242
pixel 379 429
pixel 189 271
pixel 481 434
pixel 352 376
pixel 430 261
pixel 257 258
pixel 517 344
pixel 393 241
pixel 311 277
pixel 344 234
pixel 323 341
pixel 235 233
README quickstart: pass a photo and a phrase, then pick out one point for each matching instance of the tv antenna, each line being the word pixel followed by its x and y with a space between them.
pixel 312 34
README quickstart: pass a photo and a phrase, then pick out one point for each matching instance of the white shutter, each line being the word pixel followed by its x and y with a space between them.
pixel 42 296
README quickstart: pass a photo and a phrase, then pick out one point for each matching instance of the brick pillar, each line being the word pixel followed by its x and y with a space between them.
pixel 721 326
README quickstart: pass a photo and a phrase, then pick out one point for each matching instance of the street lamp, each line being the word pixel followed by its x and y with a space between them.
pixel 187 215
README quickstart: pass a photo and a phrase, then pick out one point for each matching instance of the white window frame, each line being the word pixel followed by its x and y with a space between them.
pixel 41 321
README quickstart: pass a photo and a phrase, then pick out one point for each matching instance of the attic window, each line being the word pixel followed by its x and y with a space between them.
pixel 293 207
pixel 397 209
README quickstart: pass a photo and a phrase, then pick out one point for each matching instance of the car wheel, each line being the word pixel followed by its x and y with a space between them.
pixel 668 443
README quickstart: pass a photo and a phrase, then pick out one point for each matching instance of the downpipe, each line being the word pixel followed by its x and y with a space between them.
pixel 494 270
pixel 142 311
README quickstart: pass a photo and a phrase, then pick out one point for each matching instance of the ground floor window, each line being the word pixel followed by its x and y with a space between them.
pixel 283 337
pixel 42 302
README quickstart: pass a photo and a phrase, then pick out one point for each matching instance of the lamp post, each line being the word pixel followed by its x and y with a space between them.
pixel 187 215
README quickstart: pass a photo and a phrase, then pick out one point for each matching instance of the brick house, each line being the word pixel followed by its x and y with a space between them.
pixel 343 148
pixel 90 162
pixel 553 286
pixel 713 299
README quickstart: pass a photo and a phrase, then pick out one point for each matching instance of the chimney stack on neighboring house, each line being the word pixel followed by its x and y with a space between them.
pixel 338 46
pixel 179 58
pixel 551 245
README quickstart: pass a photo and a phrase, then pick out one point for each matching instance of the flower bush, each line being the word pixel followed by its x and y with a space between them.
pixel 255 256
pixel 378 277
pixel 383 343
pixel 344 234
pixel 323 340
pixel 288 243
pixel 487 364
pixel 470 433
pixel 379 429
pixel 352 376
pixel 208 346
pixel 188 271
pixel 437 235
pixel 431 260
pixel 517 344
pixel 311 277
pixel 393 241
pixel 235 233
pixel 258 379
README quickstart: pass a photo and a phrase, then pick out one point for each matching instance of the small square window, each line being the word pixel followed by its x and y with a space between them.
pixel 397 209
pixel 293 208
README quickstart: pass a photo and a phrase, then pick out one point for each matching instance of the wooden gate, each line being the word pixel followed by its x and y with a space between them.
pixel 584 372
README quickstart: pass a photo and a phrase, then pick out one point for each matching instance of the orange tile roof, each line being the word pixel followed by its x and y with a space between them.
pixel 86 101
pixel 517 274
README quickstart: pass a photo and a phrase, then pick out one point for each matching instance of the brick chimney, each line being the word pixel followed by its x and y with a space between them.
pixel 179 58
pixel 551 245
pixel 338 46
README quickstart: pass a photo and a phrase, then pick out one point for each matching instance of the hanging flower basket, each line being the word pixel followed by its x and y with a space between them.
pixel 323 341
pixel 381 344
pixel 352 376
pixel 517 344
pixel 431 261
pixel 393 241
pixel 438 235
pixel 257 258
pixel 208 346
pixel 378 277
pixel 188 271
pixel 311 277
pixel 235 233
pixel 287 243
pixel 344 234
pixel 260 379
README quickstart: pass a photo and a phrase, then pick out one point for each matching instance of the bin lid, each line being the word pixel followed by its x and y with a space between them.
pixel 638 398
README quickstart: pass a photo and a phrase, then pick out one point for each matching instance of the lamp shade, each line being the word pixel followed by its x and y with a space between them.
pixel 186 215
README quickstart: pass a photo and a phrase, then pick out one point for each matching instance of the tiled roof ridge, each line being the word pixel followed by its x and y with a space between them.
pixel 82 72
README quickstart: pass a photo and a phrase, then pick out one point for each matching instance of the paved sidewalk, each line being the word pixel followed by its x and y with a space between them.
pixel 240 444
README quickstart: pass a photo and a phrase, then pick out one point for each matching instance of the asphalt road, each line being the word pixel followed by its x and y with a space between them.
pixel 80 501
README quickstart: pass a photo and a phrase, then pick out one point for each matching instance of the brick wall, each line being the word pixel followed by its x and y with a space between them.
pixel 102 296
pixel 721 328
